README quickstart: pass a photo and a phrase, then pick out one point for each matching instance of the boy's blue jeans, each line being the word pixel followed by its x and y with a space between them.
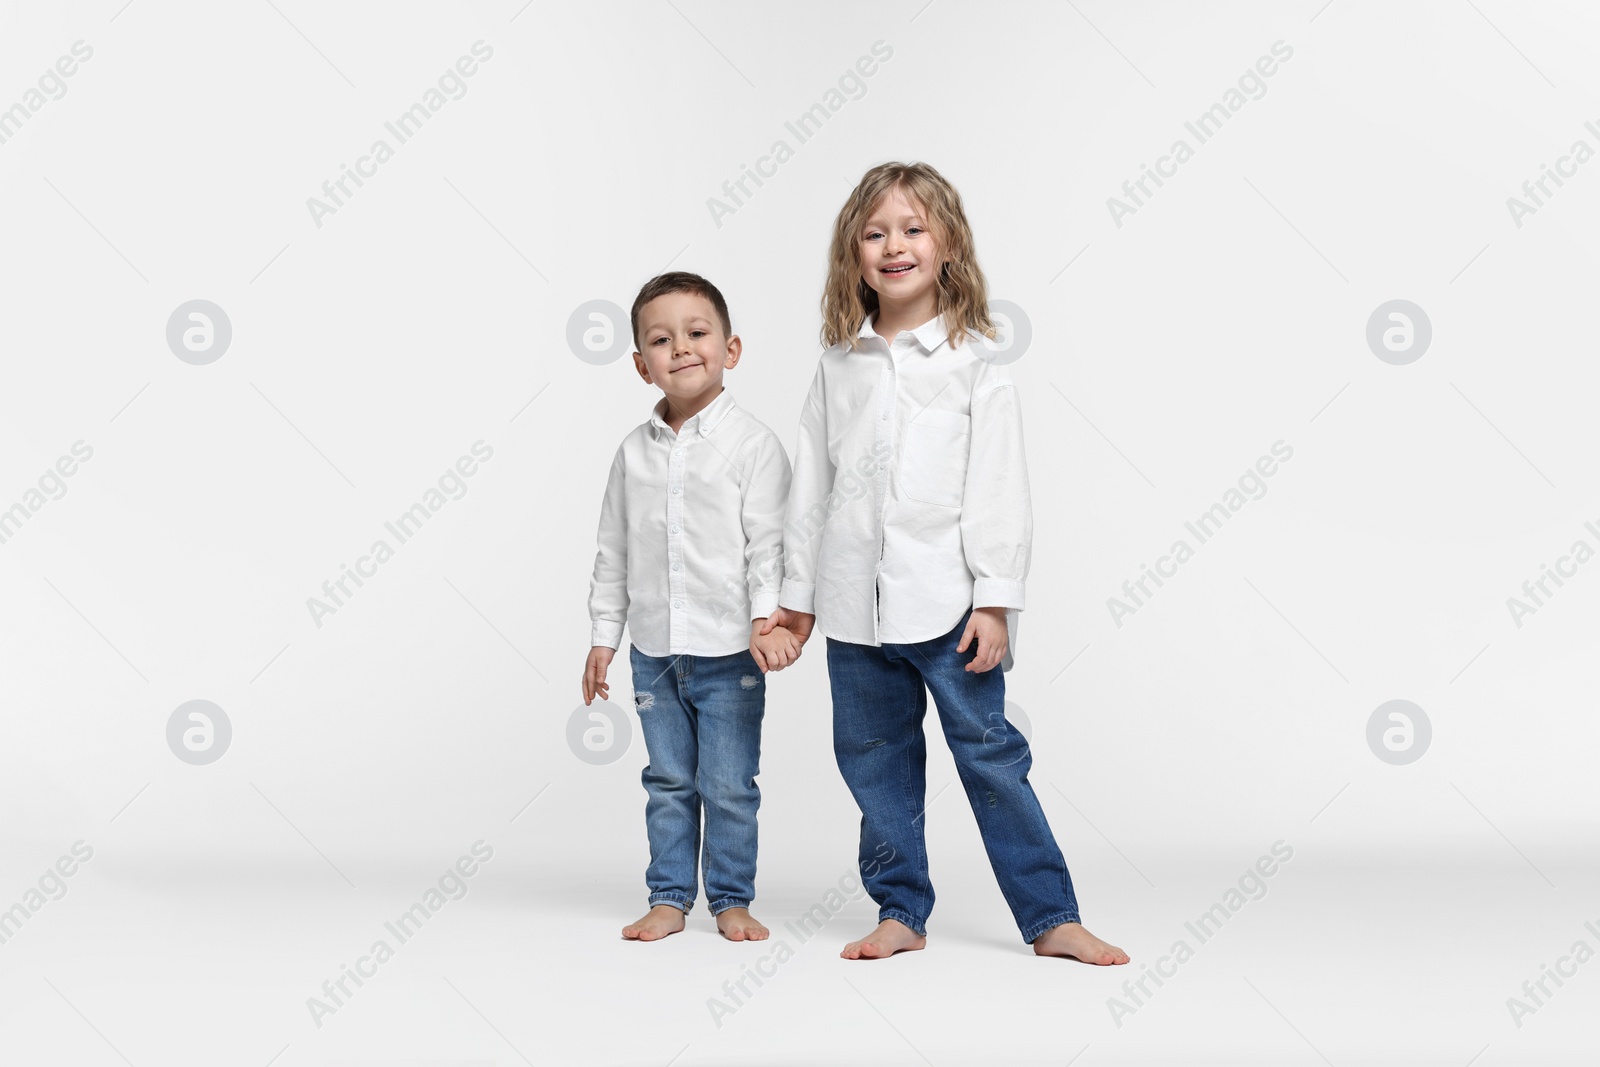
pixel 880 694
pixel 701 719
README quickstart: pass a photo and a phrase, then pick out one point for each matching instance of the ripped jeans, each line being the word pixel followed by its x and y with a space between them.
pixel 701 719
pixel 880 695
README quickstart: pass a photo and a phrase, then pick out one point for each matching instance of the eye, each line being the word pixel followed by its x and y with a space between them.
pixel 873 233
pixel 697 333
pixel 915 229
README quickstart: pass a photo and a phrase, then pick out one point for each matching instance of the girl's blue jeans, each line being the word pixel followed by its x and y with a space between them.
pixel 701 720
pixel 880 695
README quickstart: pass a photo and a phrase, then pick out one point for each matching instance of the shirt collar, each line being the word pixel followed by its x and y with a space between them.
pixel 930 335
pixel 704 421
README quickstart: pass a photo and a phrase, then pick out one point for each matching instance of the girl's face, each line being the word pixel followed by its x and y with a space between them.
pixel 900 260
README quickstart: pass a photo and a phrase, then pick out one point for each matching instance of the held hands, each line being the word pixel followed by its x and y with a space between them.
pixel 988 625
pixel 772 646
pixel 594 674
pixel 796 624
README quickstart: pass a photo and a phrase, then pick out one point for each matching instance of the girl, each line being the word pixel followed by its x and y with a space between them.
pixel 907 541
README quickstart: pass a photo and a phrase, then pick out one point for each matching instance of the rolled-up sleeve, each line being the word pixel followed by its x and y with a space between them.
pixel 763 499
pixel 608 588
pixel 808 502
pixel 996 511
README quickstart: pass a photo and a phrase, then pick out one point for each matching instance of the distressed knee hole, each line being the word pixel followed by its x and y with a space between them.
pixel 749 681
pixel 644 701
pixel 992 799
pixel 874 743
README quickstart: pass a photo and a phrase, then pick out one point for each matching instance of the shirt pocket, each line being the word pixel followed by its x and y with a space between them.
pixel 933 463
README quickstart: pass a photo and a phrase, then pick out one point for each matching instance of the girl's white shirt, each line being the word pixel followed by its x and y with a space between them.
pixel 910 501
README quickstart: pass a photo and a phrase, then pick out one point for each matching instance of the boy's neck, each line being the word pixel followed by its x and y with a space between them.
pixel 892 316
pixel 679 412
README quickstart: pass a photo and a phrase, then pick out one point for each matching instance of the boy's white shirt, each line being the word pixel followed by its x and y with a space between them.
pixel 690 544
pixel 910 502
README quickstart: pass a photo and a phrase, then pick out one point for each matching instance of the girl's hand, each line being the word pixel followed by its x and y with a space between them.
pixel 594 674
pixel 797 623
pixel 988 625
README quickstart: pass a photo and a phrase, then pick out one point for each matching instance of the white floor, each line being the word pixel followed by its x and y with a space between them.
pixel 1343 960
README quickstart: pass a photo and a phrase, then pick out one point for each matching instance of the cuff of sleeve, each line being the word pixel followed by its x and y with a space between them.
pixel 763 605
pixel 798 596
pixel 606 633
pixel 997 593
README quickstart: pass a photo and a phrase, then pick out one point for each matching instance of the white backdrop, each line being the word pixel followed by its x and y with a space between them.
pixel 378 334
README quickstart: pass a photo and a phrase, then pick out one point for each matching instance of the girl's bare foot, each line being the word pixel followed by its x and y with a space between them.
pixel 1071 939
pixel 658 922
pixel 890 937
pixel 737 924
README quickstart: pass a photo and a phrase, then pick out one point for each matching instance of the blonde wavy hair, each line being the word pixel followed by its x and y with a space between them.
pixel 963 294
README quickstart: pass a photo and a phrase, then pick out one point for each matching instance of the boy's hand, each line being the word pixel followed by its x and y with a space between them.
pixel 594 674
pixel 988 625
pixel 797 623
pixel 774 650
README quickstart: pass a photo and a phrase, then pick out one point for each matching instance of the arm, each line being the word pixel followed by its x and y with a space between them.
pixel 763 497
pixel 608 588
pixel 807 510
pixel 996 510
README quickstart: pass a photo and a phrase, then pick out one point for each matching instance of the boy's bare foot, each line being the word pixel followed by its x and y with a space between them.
pixel 737 924
pixel 1071 939
pixel 658 922
pixel 890 937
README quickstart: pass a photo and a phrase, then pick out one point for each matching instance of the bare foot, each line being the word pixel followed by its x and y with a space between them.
pixel 658 922
pixel 737 924
pixel 890 937
pixel 1071 939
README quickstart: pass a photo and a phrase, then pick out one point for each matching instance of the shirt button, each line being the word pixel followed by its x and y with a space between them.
pixel 674 527
pixel 677 603
pixel 674 566
pixel 677 489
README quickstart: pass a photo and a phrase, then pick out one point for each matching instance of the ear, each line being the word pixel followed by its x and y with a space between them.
pixel 735 350
pixel 639 365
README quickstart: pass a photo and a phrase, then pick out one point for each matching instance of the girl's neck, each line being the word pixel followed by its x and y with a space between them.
pixel 893 316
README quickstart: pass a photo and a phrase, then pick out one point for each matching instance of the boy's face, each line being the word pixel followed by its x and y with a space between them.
pixel 899 256
pixel 684 351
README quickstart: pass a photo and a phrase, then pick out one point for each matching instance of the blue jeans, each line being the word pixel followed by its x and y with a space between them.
pixel 880 694
pixel 701 719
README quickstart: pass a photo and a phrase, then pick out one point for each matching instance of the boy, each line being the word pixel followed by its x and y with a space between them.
pixel 696 495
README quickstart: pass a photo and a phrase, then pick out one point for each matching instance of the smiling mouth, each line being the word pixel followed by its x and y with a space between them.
pixel 895 272
pixel 686 366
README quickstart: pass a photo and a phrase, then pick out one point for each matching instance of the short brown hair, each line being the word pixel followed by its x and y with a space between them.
pixel 679 281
